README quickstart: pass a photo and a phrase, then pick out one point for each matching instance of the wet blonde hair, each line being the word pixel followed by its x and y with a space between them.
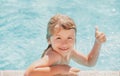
pixel 55 23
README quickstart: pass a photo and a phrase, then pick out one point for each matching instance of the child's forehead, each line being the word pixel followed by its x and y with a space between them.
pixel 64 32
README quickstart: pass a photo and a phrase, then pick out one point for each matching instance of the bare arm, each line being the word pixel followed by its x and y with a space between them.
pixel 92 57
pixel 45 67
pixel 52 71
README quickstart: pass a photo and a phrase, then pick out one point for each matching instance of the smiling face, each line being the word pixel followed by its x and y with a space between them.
pixel 63 41
pixel 61 32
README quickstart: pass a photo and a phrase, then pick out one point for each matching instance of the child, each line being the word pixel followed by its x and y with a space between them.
pixel 61 33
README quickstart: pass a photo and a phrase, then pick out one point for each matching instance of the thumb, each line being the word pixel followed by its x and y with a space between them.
pixel 96 28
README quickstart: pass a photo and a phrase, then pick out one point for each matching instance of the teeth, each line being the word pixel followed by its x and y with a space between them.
pixel 63 48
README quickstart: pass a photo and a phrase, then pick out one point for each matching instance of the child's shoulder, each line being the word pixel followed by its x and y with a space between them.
pixel 51 52
pixel 50 58
pixel 52 55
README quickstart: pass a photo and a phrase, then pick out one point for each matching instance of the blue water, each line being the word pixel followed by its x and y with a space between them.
pixel 23 29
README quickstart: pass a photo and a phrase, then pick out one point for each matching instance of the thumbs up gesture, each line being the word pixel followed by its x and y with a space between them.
pixel 100 36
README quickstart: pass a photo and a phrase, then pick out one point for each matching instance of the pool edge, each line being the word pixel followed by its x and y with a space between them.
pixel 82 73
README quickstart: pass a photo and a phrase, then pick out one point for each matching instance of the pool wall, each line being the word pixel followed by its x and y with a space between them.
pixel 82 73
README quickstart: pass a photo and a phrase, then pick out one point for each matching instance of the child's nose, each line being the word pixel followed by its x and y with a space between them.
pixel 64 43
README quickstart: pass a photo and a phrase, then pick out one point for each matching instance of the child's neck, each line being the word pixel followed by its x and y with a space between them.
pixel 62 55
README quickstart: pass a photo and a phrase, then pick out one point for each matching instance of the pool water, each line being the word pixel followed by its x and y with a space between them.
pixel 23 26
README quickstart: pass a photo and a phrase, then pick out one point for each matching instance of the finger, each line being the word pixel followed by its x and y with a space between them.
pixel 73 74
pixel 97 36
pixel 103 39
pixel 101 36
pixel 96 28
pixel 75 69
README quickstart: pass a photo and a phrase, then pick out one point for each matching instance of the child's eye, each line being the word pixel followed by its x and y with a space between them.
pixel 58 38
pixel 70 38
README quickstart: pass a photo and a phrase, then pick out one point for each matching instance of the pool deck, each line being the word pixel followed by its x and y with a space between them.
pixel 82 73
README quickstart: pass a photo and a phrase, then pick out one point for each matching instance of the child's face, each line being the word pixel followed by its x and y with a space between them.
pixel 63 41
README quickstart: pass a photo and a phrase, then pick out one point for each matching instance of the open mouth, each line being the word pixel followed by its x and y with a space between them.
pixel 63 49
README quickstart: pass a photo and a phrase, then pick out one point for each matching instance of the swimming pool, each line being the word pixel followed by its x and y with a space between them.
pixel 23 30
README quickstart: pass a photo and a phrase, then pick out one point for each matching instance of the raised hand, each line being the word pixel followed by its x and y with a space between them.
pixel 100 36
